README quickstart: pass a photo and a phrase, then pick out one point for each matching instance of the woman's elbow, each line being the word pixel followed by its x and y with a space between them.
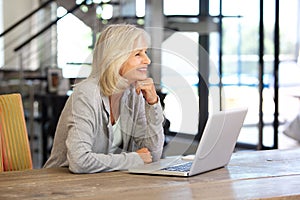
pixel 77 169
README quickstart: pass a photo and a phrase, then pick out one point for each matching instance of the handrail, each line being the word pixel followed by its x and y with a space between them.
pixel 47 27
pixel 25 18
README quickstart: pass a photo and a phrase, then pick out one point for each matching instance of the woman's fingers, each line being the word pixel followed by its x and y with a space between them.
pixel 145 155
pixel 148 90
pixel 143 150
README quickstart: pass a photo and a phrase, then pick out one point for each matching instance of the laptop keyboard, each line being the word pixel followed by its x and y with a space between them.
pixel 184 167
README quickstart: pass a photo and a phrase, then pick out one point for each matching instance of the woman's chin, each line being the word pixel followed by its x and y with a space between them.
pixel 140 78
pixel 137 78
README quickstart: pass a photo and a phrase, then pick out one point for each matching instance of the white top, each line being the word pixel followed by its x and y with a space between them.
pixel 117 139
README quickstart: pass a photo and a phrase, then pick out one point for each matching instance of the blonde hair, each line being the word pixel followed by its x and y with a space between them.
pixel 112 49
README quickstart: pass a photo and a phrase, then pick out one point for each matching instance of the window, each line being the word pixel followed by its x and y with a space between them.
pixel 240 60
pixel 179 7
pixel 179 81
pixel 73 52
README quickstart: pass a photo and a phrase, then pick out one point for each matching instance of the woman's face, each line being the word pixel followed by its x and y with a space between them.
pixel 135 68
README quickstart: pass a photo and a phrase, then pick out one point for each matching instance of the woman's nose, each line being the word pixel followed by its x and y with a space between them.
pixel 147 59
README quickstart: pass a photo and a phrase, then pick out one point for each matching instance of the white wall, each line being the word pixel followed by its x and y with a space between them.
pixel 1 30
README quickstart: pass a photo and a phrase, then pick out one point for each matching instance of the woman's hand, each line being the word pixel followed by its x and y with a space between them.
pixel 148 89
pixel 145 155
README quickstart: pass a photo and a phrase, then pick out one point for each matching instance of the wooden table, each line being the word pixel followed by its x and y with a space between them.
pixel 250 175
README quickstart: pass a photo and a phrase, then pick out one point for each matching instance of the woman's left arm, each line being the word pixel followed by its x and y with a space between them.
pixel 155 137
pixel 149 124
pixel 149 128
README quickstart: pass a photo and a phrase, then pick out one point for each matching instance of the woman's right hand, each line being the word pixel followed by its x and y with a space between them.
pixel 145 155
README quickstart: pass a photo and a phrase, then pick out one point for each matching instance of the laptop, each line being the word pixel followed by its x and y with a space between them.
pixel 214 150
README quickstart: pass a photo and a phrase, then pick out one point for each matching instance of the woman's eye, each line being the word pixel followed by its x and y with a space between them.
pixel 140 52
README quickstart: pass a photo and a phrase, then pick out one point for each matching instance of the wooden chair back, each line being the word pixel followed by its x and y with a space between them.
pixel 15 149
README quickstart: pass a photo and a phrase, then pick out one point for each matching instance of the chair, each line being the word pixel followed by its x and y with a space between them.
pixel 15 150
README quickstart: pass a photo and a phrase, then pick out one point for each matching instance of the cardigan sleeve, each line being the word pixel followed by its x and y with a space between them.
pixel 149 128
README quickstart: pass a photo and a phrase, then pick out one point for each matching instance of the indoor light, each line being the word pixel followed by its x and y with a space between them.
pixel 107 11
pixel 84 8
pixel 61 11
pixel 140 8
pixel 78 2
pixel 97 1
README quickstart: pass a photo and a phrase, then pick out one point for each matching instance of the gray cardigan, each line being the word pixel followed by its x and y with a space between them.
pixel 84 135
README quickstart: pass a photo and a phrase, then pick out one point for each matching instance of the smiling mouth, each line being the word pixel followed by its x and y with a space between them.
pixel 142 69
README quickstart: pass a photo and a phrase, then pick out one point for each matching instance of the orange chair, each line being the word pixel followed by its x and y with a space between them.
pixel 15 150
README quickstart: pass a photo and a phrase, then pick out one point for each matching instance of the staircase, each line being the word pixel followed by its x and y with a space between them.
pixel 35 49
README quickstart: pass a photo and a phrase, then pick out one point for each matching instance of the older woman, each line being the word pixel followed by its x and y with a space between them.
pixel 113 119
